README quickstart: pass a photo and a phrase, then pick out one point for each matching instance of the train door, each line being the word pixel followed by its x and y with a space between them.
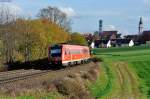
pixel 66 58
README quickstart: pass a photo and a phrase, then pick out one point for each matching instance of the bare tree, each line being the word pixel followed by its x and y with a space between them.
pixel 7 35
pixel 27 41
pixel 23 38
pixel 53 14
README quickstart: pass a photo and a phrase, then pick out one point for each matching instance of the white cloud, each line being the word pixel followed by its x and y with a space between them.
pixel 109 28
pixel 146 2
pixel 68 11
pixel 146 19
pixel 13 9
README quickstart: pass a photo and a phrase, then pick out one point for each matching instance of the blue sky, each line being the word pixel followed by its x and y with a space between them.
pixel 122 15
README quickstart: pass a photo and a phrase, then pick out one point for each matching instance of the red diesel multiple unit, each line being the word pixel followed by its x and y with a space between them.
pixel 65 54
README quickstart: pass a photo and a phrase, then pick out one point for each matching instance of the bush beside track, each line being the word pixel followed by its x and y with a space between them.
pixel 69 83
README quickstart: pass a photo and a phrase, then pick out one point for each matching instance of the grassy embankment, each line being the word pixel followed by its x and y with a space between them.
pixel 35 95
pixel 124 72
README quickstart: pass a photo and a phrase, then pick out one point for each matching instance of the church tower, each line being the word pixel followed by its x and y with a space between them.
pixel 100 26
pixel 140 28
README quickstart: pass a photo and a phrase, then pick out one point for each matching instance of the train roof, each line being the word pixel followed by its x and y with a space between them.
pixel 67 44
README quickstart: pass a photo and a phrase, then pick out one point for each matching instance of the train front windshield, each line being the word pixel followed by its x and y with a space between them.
pixel 55 51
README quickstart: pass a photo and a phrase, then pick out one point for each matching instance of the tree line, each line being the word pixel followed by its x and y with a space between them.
pixel 25 39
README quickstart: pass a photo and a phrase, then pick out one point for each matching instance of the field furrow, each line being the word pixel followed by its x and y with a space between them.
pixel 131 71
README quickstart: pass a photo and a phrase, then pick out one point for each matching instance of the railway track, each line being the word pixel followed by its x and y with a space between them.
pixel 16 75
pixel 12 76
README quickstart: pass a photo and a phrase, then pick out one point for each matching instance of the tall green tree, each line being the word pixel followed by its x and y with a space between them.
pixel 77 38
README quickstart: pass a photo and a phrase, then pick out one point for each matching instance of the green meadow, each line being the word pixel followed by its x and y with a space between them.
pixel 125 72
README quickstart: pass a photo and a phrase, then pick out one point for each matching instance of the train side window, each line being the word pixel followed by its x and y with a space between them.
pixel 75 52
pixel 68 53
pixel 85 51
pixel 65 52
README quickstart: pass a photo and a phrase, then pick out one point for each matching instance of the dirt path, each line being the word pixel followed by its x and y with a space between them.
pixel 127 84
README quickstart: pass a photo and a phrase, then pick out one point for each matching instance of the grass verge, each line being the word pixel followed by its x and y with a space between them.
pixel 137 60
pixel 103 85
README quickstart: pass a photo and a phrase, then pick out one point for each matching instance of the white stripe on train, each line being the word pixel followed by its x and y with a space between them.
pixel 64 62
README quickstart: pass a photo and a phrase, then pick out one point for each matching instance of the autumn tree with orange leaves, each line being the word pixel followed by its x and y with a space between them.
pixel 26 39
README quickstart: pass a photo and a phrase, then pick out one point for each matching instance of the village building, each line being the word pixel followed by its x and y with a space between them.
pixel 146 36
pixel 108 35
